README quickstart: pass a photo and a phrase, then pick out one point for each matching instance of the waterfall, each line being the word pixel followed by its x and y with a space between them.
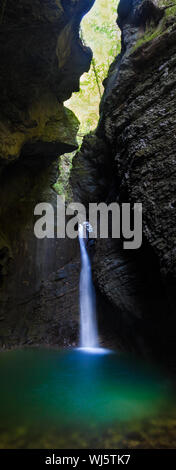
pixel 88 322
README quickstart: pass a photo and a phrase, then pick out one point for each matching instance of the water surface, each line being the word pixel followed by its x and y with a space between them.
pixel 78 399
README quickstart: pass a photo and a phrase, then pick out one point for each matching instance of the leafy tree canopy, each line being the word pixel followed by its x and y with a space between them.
pixel 100 32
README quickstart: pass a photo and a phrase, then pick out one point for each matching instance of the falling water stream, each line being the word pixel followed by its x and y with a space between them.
pixel 88 321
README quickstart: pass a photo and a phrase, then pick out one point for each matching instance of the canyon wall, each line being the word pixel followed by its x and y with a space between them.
pixel 131 157
pixel 42 59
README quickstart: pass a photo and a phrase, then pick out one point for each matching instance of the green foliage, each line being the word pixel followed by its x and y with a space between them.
pixel 152 32
pixel 62 185
pixel 99 31
pixel 149 35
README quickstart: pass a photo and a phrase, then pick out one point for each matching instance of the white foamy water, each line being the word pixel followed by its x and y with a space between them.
pixel 88 322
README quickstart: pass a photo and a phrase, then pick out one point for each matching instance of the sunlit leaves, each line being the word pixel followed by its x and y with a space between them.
pixel 100 32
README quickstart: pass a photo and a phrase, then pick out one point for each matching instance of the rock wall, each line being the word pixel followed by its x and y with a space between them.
pixel 42 59
pixel 131 158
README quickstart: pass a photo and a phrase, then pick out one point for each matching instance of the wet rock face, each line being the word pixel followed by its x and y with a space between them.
pixel 42 59
pixel 34 307
pixel 90 166
pixel 137 124
pixel 143 128
pixel 48 316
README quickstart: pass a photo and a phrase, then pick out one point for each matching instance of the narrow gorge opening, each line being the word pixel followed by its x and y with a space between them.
pixel 99 31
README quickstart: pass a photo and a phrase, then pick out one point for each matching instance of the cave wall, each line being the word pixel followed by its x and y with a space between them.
pixel 42 59
pixel 131 158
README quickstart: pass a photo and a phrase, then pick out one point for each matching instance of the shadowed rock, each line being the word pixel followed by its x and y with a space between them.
pixel 136 133
pixel 42 59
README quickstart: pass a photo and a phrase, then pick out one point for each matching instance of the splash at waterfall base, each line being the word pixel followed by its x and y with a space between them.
pixel 122 218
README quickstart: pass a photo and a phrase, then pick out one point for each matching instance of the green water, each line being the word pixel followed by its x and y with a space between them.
pixel 74 399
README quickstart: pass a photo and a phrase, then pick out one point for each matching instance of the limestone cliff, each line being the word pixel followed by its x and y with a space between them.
pixel 131 158
pixel 42 59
